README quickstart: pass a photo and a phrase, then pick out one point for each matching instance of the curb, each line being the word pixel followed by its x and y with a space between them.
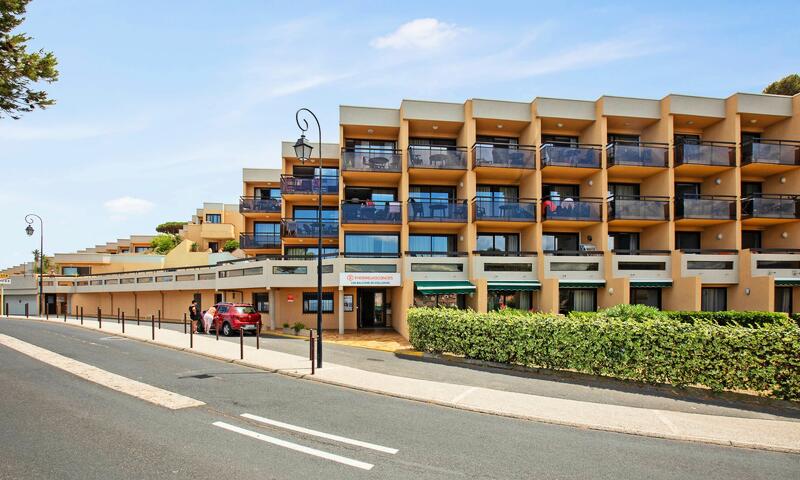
pixel 427 357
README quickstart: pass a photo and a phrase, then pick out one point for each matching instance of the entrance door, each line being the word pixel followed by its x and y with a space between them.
pixel 371 308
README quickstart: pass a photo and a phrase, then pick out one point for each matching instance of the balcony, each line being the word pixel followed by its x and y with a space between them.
pixel 768 209
pixel 294 185
pixel 705 209
pixel 436 162
pixel 496 210
pixel 568 160
pixel 703 158
pixel 638 209
pixel 445 211
pixel 371 212
pixel 259 240
pixel 637 154
pixel 572 210
pixel 366 159
pixel 255 205
pixel 712 266
pixel 220 231
pixel 503 156
pixel 767 157
pixel 309 228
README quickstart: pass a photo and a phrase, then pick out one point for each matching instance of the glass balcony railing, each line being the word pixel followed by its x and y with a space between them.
pixel 375 159
pixel 309 228
pixel 706 207
pixel 771 206
pixel 448 158
pixel 721 154
pixel 568 155
pixel 504 155
pixel 637 154
pixel 580 209
pixel 259 240
pixel 360 211
pixel 451 211
pixel 638 208
pixel 511 210
pixel 777 152
pixel 259 205
pixel 291 184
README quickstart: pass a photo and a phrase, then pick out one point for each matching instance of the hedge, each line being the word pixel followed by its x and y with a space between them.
pixel 720 357
pixel 641 312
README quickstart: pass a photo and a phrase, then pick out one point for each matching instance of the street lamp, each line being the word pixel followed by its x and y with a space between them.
pixel 303 151
pixel 29 230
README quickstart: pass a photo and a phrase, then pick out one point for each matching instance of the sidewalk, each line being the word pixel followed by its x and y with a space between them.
pixel 765 432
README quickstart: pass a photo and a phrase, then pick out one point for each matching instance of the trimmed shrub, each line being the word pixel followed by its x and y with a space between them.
pixel 658 350
pixel 744 319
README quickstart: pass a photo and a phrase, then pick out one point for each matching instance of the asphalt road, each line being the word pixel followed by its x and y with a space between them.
pixel 55 425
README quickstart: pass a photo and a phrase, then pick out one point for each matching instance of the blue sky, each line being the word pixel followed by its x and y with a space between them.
pixel 160 104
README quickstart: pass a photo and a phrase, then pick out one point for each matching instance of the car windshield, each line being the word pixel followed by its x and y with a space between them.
pixel 245 310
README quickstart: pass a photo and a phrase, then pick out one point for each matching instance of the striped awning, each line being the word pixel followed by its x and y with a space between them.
pixel 651 283
pixel 513 286
pixel 787 282
pixel 581 283
pixel 444 286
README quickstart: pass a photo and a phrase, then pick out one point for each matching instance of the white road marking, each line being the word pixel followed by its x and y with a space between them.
pixel 463 394
pixel 329 436
pixel 146 392
pixel 295 447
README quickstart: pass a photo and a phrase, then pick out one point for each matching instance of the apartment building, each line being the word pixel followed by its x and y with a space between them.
pixel 684 203
pixel 213 225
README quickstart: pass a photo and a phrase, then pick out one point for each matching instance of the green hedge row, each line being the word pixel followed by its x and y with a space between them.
pixel 721 357
pixel 642 312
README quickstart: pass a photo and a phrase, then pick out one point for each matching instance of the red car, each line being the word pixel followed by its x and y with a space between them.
pixel 232 317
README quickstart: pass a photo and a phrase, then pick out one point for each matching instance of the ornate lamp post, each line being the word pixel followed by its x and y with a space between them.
pixel 303 151
pixel 29 230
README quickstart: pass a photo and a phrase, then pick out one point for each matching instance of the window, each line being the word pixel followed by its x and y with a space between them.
pixel 311 252
pixel 625 241
pixel 370 267
pixel 213 218
pixel 507 267
pixel 574 266
pixel 778 264
pixel 289 270
pixel 375 194
pixel 751 239
pixel 487 139
pixel 231 273
pixel 245 310
pixel 498 242
pixel 451 300
pixel 558 191
pixel 641 265
pixel 310 302
pixel 498 193
pixel 560 242
pixel 75 271
pixel 618 137
pixel 327 268
pixel 750 137
pixel 432 142
pixel 714 299
pixel 363 145
pixel 213 246
pixel 709 265
pixel 141 249
pixel 684 189
pixel 502 300
pixel 267 193
pixel 623 190
pixel 261 302
pixel 310 213
pixel 432 244
pixel 267 233
pixel 751 188
pixel 222 308
pixel 681 138
pixel 577 300
pixel 646 296
pixel 375 244
pixel 687 240
pixel 424 193
pixel 307 171
pixel 783 299
pixel 437 267
pixel 561 140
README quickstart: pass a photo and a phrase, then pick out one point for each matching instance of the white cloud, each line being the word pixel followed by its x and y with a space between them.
pixel 121 207
pixel 421 34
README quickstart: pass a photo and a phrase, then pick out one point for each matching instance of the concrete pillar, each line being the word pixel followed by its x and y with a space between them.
pixel 341 310
pixel 273 308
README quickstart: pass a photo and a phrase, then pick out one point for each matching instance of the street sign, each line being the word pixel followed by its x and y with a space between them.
pixel 4 280
pixel 364 279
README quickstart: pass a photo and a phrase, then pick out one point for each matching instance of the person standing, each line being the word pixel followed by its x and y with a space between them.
pixel 208 319
pixel 194 317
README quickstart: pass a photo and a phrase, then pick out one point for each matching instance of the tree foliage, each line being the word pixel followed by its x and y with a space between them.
pixel 230 246
pixel 170 227
pixel 164 243
pixel 45 261
pixel 788 85
pixel 19 69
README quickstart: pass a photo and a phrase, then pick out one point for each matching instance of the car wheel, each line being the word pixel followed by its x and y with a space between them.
pixel 226 329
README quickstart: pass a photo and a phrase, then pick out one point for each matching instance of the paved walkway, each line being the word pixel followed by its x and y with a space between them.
pixel 382 340
pixel 766 432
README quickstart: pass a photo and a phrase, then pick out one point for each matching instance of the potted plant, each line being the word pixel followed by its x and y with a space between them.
pixel 298 328
pixel 286 329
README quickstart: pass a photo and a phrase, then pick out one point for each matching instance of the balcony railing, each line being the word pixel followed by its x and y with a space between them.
pixel 512 210
pixel 434 253
pixel 503 155
pixel 637 154
pixel 580 209
pixel 452 211
pixel 706 207
pixel 371 159
pixel 624 207
pixel 308 228
pixel 771 206
pixel 504 253
pixel 259 205
pixel 721 154
pixel 367 211
pixel 259 240
pixel 448 158
pixel 777 152
pixel 567 155
pixel 291 184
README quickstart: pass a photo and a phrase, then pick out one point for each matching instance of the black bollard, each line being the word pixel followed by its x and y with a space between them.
pixel 159 319
pixel 241 344
pixel 184 323
pixel 137 316
pixel 123 322
pixel 81 315
pixel 99 318
pixel 153 325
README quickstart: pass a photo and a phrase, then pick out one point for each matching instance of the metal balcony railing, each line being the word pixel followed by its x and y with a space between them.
pixel 706 207
pixel 767 205
pixel 259 205
pixel 259 240
pixel 451 211
pixel 721 154
pixel 448 158
pixel 291 184
pixel 623 207
pixel 371 159
pixel 503 155
pixel 308 228
pixel 368 211
pixel 580 209
pixel 556 154
pixel 777 152
pixel 510 210
pixel 637 154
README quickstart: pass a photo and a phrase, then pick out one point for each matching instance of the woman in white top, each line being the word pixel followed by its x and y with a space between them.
pixel 208 319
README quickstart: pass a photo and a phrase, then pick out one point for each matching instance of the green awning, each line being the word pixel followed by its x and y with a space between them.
pixel 787 282
pixel 581 283
pixel 651 283
pixel 444 286
pixel 514 286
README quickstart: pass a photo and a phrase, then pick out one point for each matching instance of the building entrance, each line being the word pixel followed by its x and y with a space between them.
pixel 371 307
